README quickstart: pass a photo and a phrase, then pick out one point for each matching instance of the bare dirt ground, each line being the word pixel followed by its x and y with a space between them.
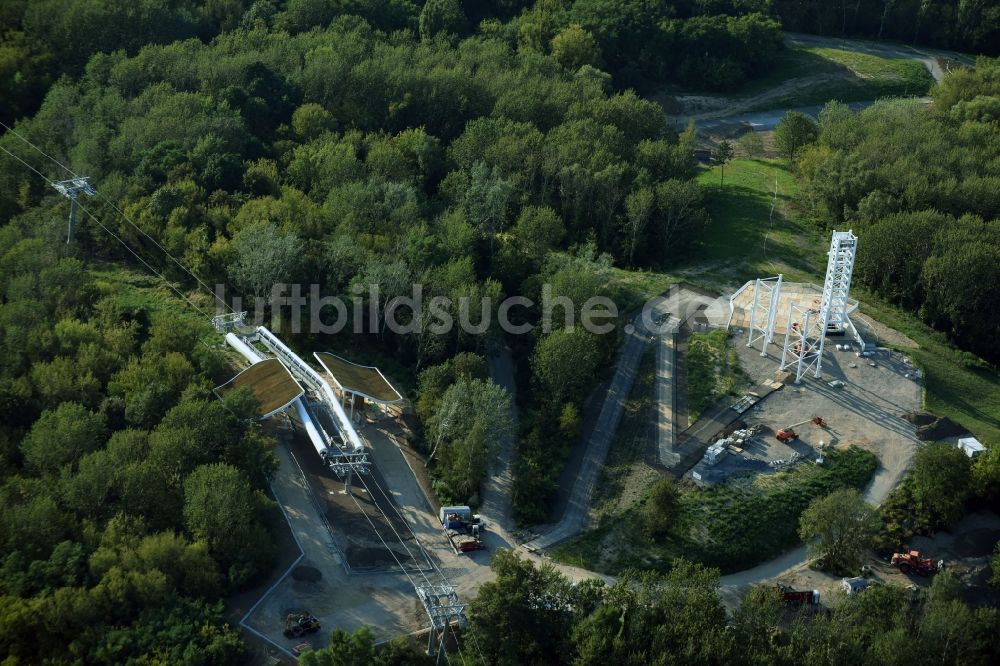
pixel 866 412
pixel 359 533
pixel 881 334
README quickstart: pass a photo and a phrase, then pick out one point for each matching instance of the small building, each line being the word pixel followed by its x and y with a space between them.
pixel 971 446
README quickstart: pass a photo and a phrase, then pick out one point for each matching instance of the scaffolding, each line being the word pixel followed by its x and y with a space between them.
pixel 803 346
pixel 837 287
pixel 764 312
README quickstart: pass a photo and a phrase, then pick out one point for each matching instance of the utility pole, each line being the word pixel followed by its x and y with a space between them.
pixel 70 189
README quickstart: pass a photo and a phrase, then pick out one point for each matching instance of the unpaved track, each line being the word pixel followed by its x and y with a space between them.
pixel 734 113
pixel 499 485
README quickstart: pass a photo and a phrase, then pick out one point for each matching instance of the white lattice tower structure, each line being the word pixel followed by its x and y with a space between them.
pixel 837 287
pixel 807 327
pixel 764 312
pixel 803 348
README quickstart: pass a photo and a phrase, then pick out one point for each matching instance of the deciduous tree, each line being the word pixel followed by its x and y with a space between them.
pixel 839 528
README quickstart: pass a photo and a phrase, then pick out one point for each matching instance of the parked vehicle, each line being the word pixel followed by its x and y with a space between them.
pixel 912 562
pixel 463 528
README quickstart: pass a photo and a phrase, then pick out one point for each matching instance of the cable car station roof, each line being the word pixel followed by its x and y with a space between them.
pixel 364 380
pixel 272 384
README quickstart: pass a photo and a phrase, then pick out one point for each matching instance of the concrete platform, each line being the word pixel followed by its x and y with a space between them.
pixel 802 294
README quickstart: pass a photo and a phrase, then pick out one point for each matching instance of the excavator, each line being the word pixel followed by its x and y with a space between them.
pixel 787 434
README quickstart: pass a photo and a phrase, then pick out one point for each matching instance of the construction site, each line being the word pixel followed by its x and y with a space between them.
pixel 369 549
pixel 373 548
pixel 817 382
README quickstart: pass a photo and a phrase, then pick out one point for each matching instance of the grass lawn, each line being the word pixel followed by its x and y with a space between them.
pixel 846 76
pixel 956 384
pixel 711 371
pixel 135 290
pixel 731 526
pixel 632 288
pixel 743 237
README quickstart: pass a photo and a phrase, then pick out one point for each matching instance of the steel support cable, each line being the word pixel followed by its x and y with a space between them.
pixel 400 564
pixel 122 214
pixel 114 235
pixel 434 566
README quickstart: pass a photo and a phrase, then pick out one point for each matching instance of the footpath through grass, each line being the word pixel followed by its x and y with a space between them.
pixel 744 238
pixel 732 526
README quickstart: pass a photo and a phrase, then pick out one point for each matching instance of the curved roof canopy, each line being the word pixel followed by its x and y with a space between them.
pixel 364 380
pixel 271 382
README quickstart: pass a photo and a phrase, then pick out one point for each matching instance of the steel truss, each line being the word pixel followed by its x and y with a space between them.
pixel 764 312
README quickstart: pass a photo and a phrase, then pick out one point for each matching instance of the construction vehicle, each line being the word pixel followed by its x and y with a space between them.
pixel 301 623
pixel 463 528
pixel 912 562
pixel 794 597
pixel 787 434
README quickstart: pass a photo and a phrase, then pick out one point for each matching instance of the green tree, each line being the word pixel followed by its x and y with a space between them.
pixel 839 528
pixel 574 47
pixel 61 437
pixel 941 483
pixel 751 144
pixel 662 506
pixel 794 131
pixel 221 509
pixel 358 649
pixel 441 17
pixel 524 616
pixel 640 205
pixel 565 363
pixel 995 567
pixel 311 121
pixel 681 215
pixel 721 155
pixel 472 421
pixel 486 201
pixel 986 474
pixel 263 257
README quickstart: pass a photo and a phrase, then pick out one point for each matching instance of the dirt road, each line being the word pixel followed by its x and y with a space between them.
pixel 499 485
pixel 734 113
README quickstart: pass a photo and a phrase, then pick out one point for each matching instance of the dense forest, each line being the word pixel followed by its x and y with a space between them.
pixel 923 188
pixel 532 615
pixel 971 26
pixel 132 496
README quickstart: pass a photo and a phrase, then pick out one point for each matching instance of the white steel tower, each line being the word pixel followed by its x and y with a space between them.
pixel 839 268
pixel 807 327
pixel 764 312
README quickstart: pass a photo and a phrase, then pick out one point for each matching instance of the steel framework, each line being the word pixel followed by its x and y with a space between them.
pixel 764 312
pixel 804 337
pixel 806 330
pixel 443 607
pixel 71 189
pixel 837 287
pixel 224 322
